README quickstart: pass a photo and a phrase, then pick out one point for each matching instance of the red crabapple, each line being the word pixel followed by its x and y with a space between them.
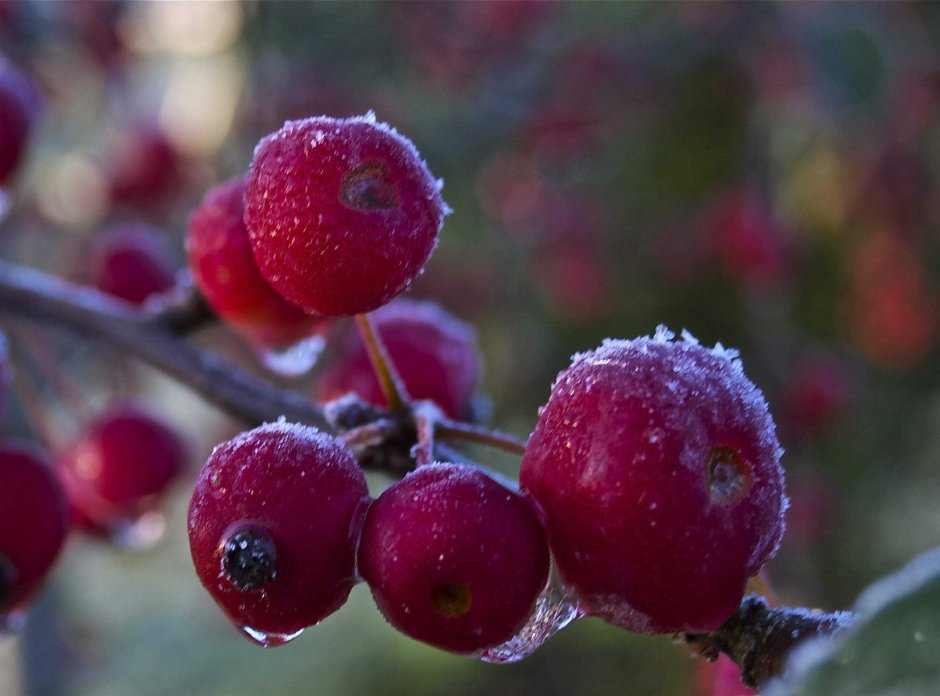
pixel 341 213
pixel 132 262
pixel 435 353
pixel 143 167
pixel 119 468
pixel 19 108
pixel 225 271
pixel 657 464
pixel 453 558
pixel 273 527
pixel 33 525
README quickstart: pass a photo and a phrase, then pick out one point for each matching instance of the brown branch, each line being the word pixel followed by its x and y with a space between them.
pixel 44 298
pixel 759 637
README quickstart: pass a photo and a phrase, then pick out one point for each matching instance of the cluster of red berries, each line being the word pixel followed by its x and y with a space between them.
pixel 108 483
pixel 651 482
pixel 652 479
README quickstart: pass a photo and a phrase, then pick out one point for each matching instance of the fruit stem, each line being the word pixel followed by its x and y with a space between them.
pixel 426 416
pixel 456 430
pixel 368 435
pixel 389 380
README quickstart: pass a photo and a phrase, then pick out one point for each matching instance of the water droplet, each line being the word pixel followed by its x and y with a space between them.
pixel 294 360
pixel 138 534
pixel 268 640
pixel 13 621
pixel 554 609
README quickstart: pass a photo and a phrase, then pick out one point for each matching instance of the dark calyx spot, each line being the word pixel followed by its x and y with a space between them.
pixel 248 559
pixel 728 476
pixel 451 600
pixel 7 580
pixel 367 187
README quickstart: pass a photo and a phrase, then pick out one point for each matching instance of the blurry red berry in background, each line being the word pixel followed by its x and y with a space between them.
pixel 143 167
pixel 817 392
pixel 33 525
pixel 891 306
pixel 720 678
pixel 19 109
pixel 119 468
pixel 435 353
pixel 814 510
pixel 740 234
pixel 96 25
pixel 577 284
pixel 225 272
pixel 132 262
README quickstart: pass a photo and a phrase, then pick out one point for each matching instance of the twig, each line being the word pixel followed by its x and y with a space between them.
pixel 759 637
pixel 45 298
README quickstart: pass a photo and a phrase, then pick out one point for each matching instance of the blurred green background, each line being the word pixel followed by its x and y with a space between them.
pixel 761 174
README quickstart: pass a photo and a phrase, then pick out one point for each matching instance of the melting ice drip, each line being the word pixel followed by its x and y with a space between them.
pixel 294 360
pixel 268 640
pixel 555 608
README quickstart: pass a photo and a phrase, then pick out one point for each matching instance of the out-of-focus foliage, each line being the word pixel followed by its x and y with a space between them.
pixel 892 649
pixel 761 174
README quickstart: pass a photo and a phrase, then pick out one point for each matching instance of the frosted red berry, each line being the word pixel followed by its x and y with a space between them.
pixel 435 353
pixel 225 271
pixel 33 525
pixel 119 468
pixel 273 527
pixel 19 108
pixel 132 263
pixel 341 213
pixel 453 558
pixel 657 464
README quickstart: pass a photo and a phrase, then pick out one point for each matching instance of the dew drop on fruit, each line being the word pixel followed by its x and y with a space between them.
pixel 139 534
pixel 555 608
pixel 268 640
pixel 294 360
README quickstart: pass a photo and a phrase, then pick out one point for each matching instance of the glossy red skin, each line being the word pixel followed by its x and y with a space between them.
pixel 618 461
pixel 436 355
pixel 319 251
pixel 33 520
pixel 133 263
pixel 226 274
pixel 452 524
pixel 120 467
pixel 18 111
pixel 302 487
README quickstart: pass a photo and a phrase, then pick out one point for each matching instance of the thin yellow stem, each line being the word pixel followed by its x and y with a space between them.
pixel 390 381
pixel 456 430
